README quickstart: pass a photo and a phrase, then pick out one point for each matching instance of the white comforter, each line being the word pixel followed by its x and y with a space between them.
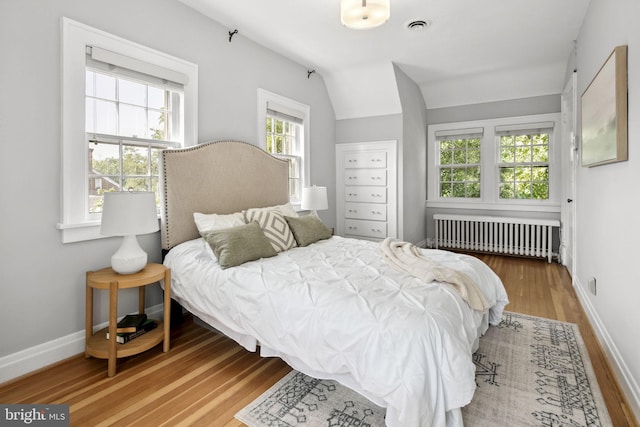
pixel 335 310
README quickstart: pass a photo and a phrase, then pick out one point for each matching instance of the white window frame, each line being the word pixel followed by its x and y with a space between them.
pixel 452 135
pixel 75 224
pixel 290 107
pixel 489 172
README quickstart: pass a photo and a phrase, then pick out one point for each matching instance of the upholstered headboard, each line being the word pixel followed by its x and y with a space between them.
pixel 220 177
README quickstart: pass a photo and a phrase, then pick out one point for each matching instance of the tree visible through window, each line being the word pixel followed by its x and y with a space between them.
pixel 128 122
pixel 284 140
pixel 460 167
pixel 500 163
pixel 524 166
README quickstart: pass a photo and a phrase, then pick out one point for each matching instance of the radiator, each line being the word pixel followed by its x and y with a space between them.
pixel 500 235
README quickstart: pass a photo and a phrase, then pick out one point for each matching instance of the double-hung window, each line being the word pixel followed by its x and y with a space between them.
pixel 122 103
pixel 459 163
pixel 509 163
pixel 129 118
pixel 524 161
pixel 284 137
pixel 283 130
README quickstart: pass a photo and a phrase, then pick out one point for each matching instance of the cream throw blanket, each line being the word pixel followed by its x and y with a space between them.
pixel 406 257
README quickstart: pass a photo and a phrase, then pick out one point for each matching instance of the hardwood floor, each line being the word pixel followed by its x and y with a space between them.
pixel 206 378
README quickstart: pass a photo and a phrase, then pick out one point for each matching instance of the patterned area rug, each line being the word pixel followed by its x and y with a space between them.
pixel 530 371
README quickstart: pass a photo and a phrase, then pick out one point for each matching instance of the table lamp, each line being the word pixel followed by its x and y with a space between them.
pixel 127 214
pixel 314 199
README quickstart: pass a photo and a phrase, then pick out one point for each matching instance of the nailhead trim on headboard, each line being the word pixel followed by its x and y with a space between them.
pixel 226 175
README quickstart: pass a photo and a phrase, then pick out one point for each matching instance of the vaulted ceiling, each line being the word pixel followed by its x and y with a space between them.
pixel 471 51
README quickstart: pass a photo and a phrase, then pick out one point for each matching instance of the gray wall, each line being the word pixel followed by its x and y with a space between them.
pixel 413 155
pixel 365 129
pixel 492 110
pixel 42 286
pixel 607 201
pixel 409 130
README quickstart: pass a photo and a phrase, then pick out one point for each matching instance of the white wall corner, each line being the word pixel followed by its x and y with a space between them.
pixel 628 384
pixel 42 355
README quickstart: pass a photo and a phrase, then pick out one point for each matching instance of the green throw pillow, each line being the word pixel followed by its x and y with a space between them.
pixel 237 245
pixel 308 229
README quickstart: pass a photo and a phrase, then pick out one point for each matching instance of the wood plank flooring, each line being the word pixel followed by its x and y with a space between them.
pixel 206 378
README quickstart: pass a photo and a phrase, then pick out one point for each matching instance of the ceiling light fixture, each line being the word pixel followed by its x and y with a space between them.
pixel 364 14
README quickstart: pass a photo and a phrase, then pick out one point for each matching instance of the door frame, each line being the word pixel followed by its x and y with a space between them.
pixel 569 159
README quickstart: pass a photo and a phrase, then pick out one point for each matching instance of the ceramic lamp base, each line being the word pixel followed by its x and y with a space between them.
pixel 129 258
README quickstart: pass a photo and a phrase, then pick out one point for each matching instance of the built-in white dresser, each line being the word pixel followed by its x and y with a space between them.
pixel 366 190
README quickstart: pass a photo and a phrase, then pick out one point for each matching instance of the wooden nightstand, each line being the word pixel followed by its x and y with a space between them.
pixel 97 345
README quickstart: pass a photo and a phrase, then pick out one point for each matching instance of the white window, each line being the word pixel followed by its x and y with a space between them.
pixel 524 162
pixel 129 118
pixel 284 132
pixel 121 104
pixel 502 164
pixel 459 163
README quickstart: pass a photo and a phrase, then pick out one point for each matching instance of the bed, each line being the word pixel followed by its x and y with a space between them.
pixel 330 307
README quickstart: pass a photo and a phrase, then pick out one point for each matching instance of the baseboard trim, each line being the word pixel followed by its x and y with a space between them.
pixel 625 380
pixel 39 356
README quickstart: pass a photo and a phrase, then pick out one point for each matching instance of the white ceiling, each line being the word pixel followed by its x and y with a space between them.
pixel 474 50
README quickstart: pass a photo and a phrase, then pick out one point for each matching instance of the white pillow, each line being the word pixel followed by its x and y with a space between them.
pixel 212 222
pixel 287 210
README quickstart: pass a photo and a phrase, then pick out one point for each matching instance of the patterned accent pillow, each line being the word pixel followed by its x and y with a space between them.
pixel 274 226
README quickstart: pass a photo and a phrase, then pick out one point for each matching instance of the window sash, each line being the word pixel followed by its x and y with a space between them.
pixel 522 183
pixel 459 177
pixel 288 149
pixel 290 136
pixel 173 108
pixel 144 149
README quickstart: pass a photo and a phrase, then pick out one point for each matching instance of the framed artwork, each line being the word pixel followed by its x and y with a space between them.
pixel 604 113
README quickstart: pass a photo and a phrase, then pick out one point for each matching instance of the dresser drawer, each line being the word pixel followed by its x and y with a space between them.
pixel 372 211
pixel 358 227
pixel 365 160
pixel 366 194
pixel 365 177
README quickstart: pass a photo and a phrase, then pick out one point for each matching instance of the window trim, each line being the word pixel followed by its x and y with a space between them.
pixel 489 172
pixel 74 224
pixel 293 108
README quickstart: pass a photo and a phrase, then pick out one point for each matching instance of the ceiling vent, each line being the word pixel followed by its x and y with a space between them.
pixel 418 25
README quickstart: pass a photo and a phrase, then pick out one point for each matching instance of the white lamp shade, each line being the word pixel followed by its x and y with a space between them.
pixel 364 14
pixel 314 198
pixel 129 213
